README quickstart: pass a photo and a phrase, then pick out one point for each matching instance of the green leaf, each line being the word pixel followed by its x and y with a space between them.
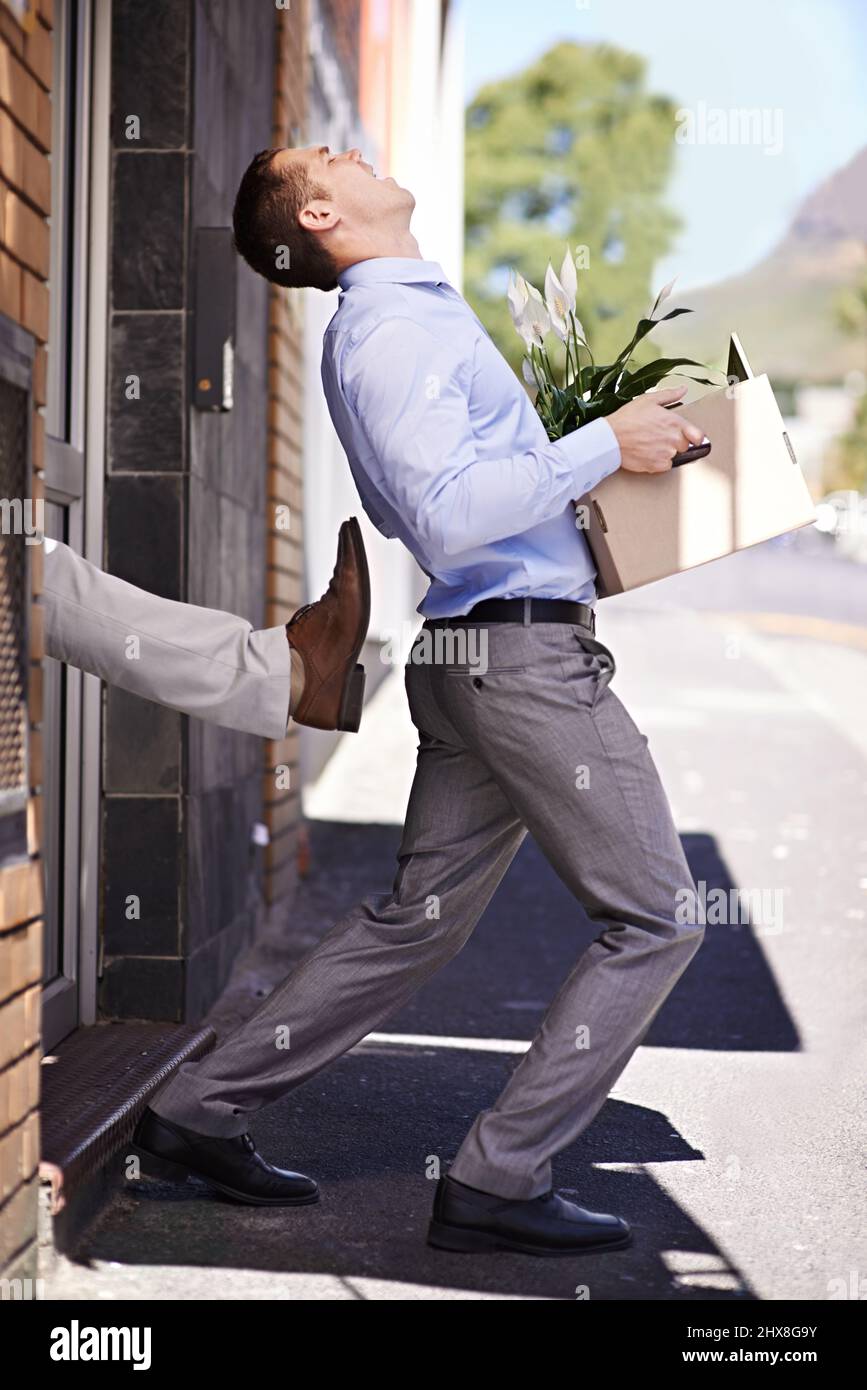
pixel 653 372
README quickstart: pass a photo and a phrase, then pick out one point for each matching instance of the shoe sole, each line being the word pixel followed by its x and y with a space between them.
pixel 467 1240
pixel 339 700
pixel 154 1166
pixel 352 700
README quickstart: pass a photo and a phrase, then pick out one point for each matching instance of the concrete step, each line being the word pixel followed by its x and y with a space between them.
pixel 95 1085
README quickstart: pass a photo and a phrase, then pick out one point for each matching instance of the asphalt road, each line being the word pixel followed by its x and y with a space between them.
pixel 733 1141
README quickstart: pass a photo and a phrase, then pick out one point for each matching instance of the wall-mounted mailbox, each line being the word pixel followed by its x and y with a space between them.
pixel 214 329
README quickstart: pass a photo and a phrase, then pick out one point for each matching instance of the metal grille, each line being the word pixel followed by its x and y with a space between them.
pixel 14 411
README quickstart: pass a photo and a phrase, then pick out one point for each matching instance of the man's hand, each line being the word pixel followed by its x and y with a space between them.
pixel 649 435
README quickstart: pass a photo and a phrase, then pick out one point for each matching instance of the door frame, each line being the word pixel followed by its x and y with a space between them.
pixel 89 962
pixel 76 409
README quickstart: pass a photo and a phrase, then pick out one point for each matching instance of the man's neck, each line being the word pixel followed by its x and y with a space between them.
pixel 403 245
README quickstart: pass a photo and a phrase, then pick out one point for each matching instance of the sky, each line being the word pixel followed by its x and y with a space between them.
pixel 802 62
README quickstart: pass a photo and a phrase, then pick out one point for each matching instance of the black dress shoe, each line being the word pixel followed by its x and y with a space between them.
pixel 232 1166
pixel 467 1220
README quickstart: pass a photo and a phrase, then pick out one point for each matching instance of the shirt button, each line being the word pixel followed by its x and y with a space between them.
pixel 477 682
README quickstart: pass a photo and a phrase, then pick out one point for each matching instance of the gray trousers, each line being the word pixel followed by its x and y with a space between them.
pixel 538 742
pixel 200 661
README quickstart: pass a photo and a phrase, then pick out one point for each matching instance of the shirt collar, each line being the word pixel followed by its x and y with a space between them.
pixel 392 270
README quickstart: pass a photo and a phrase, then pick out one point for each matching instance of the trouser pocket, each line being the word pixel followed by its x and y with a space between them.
pixel 607 664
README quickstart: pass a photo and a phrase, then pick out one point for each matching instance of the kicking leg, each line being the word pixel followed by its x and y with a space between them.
pixel 211 664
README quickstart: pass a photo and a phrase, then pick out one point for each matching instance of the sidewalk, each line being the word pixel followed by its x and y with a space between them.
pixel 730 1141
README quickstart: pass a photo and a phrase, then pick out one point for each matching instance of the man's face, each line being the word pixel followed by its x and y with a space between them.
pixel 359 198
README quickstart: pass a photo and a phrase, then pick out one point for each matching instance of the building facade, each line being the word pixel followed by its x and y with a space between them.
pixel 26 193
pixel 124 130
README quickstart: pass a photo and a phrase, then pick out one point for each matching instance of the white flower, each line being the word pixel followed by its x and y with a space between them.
pixel 527 371
pixel 558 303
pixel 662 297
pixel 533 321
pixel 569 277
pixel 517 296
pixel 536 316
pixel 528 312
pixel 560 294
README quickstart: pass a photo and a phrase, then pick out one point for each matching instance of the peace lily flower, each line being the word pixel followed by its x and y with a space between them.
pixel 524 316
pixel 661 298
pixel 517 296
pixel 569 277
pixel 580 389
pixel 529 314
pixel 558 304
pixel 560 295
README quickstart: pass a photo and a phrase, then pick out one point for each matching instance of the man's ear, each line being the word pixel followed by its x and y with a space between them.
pixel 318 216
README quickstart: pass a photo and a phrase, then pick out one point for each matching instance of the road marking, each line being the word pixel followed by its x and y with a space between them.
pixel 513 1045
pixel 797 625
pixel 830 687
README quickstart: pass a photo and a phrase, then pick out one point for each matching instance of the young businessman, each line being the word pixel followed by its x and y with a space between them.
pixel 450 457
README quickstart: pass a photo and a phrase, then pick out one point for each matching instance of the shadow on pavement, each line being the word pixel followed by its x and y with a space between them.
pixel 371 1128
pixel 532 933
pixel 376 1123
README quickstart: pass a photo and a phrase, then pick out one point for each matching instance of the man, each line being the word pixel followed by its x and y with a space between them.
pixel 450 457
pixel 211 664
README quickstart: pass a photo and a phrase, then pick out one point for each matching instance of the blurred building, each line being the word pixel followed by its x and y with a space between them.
pixel 403 105
pixel 124 129
pixel 819 416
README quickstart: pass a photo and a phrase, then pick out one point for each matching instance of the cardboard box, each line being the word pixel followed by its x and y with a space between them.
pixel 642 527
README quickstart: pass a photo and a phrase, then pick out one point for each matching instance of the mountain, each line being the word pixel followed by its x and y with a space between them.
pixel 784 308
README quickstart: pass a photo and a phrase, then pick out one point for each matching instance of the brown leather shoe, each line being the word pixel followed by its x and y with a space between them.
pixel 329 634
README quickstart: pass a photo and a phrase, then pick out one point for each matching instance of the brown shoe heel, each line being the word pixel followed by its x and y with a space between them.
pixel 328 636
pixel 352 703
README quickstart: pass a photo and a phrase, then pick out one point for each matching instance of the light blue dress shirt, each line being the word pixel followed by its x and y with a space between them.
pixel 446 449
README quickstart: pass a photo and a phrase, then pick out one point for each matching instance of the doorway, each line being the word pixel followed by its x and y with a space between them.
pixel 75 411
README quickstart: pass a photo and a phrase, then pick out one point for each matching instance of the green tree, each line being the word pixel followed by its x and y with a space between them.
pixel 573 149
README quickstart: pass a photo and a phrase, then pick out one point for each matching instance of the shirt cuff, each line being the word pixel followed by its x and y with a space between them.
pixel 593 452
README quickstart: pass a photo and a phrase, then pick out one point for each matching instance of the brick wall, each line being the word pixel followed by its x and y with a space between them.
pixel 342 19
pixel 285 574
pixel 25 127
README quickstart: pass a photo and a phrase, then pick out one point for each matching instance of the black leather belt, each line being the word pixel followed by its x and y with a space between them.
pixel 523 610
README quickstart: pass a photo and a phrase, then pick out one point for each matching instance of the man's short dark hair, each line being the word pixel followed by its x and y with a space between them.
pixel 265 224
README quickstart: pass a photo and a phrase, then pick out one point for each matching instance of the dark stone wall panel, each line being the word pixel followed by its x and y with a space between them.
pixel 150 54
pixel 146 430
pixel 144 525
pixel 135 987
pixel 142 853
pixel 142 745
pixel 148 251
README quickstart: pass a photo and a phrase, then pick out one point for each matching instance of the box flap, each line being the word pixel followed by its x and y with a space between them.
pixel 738 366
